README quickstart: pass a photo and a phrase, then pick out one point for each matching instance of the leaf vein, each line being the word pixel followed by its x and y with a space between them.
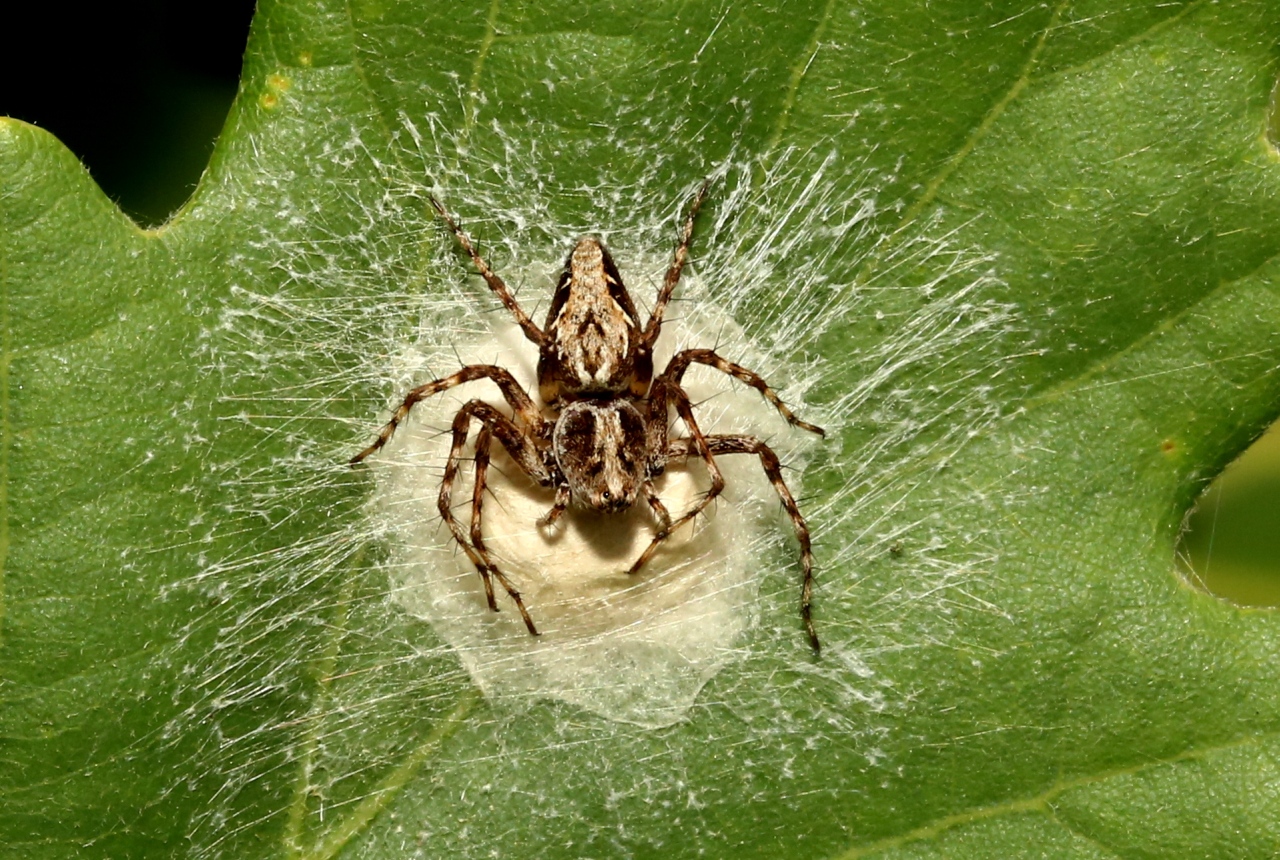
pixel 1043 802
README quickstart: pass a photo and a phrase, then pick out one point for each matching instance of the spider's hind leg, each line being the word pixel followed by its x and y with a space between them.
pixel 654 326
pixel 496 284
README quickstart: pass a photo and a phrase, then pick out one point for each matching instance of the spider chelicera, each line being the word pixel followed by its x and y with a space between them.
pixel 610 439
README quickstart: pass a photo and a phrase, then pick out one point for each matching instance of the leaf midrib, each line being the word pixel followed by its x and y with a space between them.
pixel 329 842
pixel 798 71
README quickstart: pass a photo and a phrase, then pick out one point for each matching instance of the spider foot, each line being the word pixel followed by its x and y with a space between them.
pixel 528 620
pixel 812 428
pixel 806 596
pixel 515 597
pixel 524 613
pixel 649 551
pixel 485 573
pixel 812 634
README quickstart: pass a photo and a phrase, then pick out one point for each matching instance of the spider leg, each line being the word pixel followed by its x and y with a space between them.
pixel 685 410
pixel 523 451
pixel 521 402
pixel 558 507
pixel 683 448
pixel 672 278
pixel 531 330
pixel 483 440
pixel 681 361
pixel 655 504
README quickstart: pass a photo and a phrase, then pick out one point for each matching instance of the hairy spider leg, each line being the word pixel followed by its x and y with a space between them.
pixel 521 402
pixel 481 461
pixel 681 449
pixel 658 414
pixel 680 363
pixel 558 507
pixel 531 330
pixel 654 326
pixel 660 511
pixel 525 454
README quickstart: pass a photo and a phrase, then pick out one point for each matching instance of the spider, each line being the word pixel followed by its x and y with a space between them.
pixel 610 438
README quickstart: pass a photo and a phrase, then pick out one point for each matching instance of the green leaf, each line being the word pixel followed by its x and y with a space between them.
pixel 1021 260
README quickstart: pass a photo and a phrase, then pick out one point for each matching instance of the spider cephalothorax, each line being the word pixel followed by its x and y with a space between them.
pixel 611 437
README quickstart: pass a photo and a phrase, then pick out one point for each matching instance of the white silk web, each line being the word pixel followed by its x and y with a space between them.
pixel 377 300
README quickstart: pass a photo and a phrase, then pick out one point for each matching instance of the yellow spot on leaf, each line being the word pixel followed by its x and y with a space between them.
pixel 276 84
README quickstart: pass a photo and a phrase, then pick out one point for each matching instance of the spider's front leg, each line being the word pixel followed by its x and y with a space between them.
pixel 681 449
pixel 521 402
pixel 524 450
pixel 483 441
pixel 680 362
pixel 656 443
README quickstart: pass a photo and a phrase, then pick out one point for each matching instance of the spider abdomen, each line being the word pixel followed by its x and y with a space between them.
pixel 598 445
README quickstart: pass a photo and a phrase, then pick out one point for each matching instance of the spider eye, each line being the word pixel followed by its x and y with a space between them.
pixel 606 496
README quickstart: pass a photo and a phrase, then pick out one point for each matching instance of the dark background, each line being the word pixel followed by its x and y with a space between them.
pixel 139 90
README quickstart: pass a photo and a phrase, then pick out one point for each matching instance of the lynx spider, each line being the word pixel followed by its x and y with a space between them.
pixel 610 440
